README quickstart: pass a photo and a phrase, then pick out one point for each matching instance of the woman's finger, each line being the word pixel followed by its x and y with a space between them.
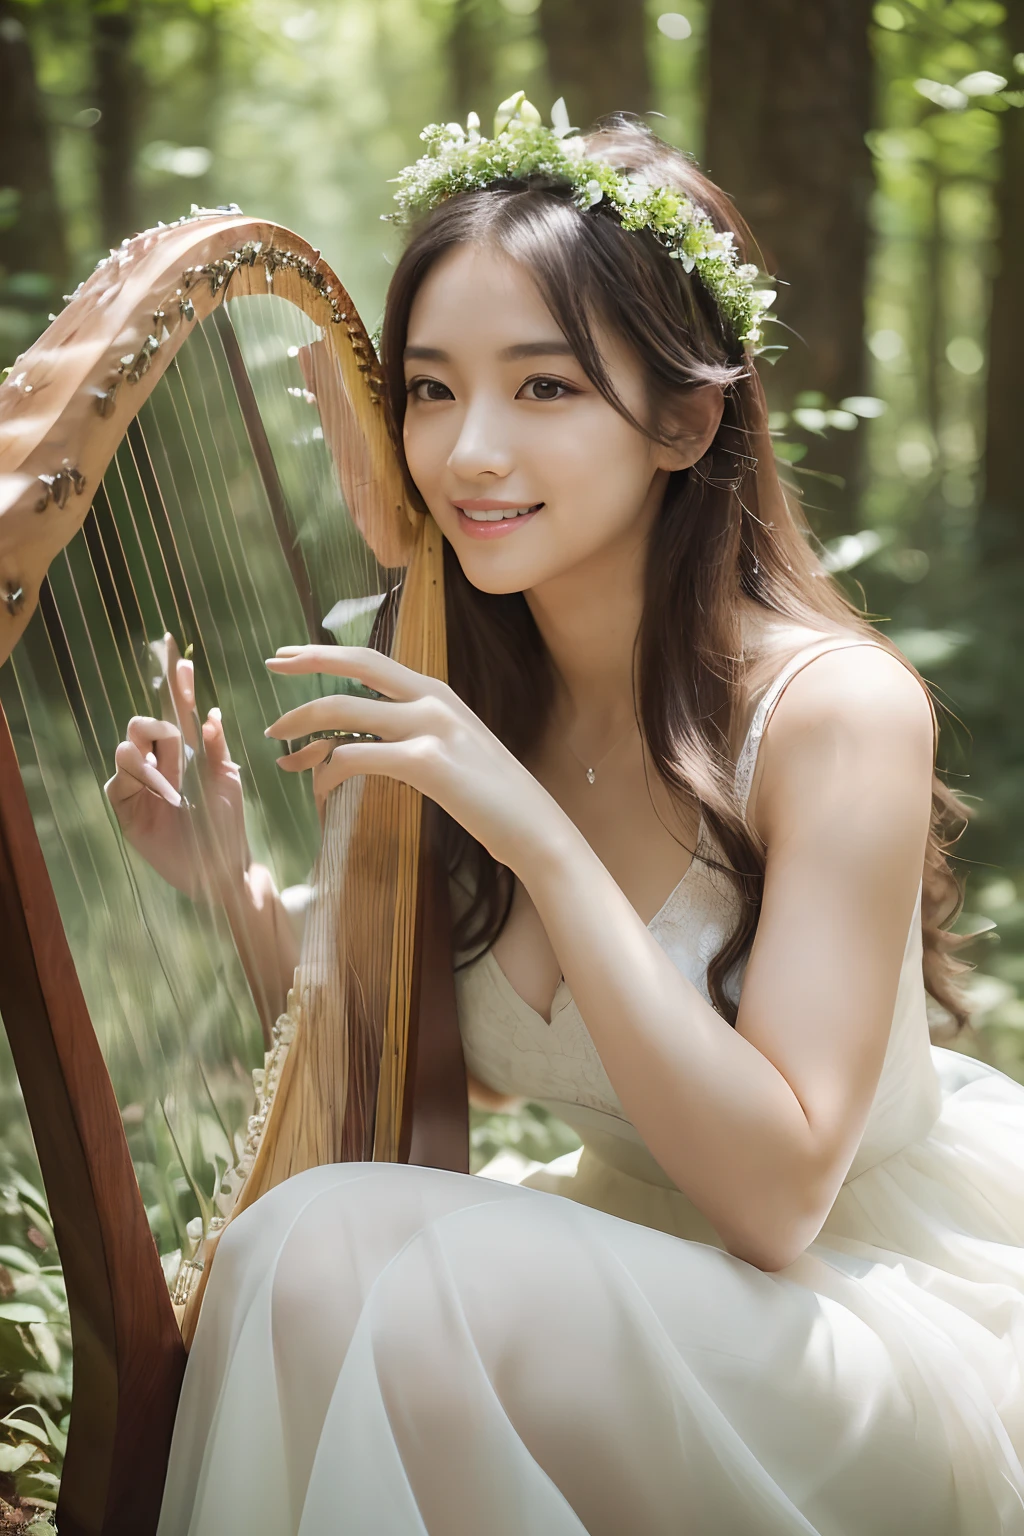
pixel 133 774
pixel 182 681
pixel 360 662
pixel 349 712
pixel 163 739
pixel 391 759
pixel 215 744
pixel 309 756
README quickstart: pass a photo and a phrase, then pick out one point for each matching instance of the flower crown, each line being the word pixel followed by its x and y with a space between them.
pixel 460 159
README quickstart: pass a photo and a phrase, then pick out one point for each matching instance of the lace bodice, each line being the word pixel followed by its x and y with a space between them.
pixel 512 1049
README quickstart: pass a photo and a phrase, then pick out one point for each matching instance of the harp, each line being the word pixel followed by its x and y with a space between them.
pixel 195 455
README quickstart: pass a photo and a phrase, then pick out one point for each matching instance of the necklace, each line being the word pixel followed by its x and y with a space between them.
pixel 591 771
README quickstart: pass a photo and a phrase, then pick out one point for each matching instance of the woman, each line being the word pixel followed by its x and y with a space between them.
pixel 697 847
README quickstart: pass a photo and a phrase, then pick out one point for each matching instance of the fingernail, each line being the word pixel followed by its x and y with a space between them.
pixel 215 714
pixel 269 731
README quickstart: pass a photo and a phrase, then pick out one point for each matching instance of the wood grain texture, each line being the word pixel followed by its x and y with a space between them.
pixel 48 405
pixel 128 1354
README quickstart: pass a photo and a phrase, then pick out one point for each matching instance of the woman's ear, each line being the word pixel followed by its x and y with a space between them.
pixel 692 421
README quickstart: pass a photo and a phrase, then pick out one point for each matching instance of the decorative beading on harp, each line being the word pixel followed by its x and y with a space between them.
pixel 194 459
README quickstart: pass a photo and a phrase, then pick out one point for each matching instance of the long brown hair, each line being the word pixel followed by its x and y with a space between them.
pixel 725 527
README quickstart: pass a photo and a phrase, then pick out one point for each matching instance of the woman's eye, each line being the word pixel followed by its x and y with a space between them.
pixel 547 384
pixel 542 389
pixel 417 385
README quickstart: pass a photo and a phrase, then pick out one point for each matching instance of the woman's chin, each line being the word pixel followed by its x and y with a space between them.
pixel 496 580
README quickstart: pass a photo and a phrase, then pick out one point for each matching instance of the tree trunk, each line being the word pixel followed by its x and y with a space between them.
pixel 470 72
pixel 789 104
pixel 116 80
pixel 1001 520
pixel 991 682
pixel 32 236
pixel 597 56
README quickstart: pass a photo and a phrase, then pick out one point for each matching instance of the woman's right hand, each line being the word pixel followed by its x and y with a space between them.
pixel 201 850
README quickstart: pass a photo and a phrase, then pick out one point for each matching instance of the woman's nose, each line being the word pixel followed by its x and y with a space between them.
pixel 481 447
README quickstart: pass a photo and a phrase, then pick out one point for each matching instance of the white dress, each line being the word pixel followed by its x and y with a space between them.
pixel 393 1351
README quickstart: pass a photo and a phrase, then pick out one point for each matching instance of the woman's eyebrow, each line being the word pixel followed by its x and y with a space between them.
pixel 555 347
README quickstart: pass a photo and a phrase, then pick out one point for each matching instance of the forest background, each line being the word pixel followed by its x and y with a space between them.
pixel 876 150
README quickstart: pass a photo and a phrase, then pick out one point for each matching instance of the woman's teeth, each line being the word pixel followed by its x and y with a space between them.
pixel 501 515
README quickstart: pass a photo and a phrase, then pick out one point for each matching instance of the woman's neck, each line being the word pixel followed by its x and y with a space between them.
pixel 589 619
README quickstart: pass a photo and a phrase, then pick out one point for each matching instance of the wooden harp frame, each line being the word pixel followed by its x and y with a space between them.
pixel 63 412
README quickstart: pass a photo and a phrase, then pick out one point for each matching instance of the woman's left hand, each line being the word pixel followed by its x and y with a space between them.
pixel 429 739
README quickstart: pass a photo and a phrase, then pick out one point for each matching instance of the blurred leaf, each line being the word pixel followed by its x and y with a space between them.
pixel 929 647
pixel 982 83
pixel 48 1347
pixel 811 419
pixel 21 1312
pixel 945 96
pixel 868 406
pixel 844 553
pixel 13 1457
pixel 46 1430
pixel 17 1258
pixel 890 17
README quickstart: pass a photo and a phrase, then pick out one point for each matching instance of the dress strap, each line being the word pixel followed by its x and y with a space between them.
pixel 747 760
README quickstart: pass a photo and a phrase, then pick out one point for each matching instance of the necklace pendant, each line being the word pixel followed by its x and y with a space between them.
pixel 591 775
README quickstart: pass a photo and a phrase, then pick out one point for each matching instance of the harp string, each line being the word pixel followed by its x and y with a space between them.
pixel 142 539
pixel 222 681
pixel 97 731
pixel 263 629
pixel 153 537
pixel 185 539
pixel 240 562
pixel 73 831
pixel 129 502
pixel 116 724
pixel 241 625
pixel 142 463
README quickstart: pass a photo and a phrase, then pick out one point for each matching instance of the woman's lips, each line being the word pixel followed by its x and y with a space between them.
pixel 494 530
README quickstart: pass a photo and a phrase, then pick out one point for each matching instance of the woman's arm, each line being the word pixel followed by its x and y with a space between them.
pixel 265 940
pixel 758 1125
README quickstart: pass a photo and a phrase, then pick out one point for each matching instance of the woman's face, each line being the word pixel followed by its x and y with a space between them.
pixel 501 418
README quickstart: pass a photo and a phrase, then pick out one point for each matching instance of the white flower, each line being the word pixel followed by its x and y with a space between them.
pixel 635 188
pixel 589 195
pixel 560 119
pixel 575 149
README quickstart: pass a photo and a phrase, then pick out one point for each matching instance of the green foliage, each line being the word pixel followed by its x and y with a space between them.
pixel 533 1132
pixel 35 1350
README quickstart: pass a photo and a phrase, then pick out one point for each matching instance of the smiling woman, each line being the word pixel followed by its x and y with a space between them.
pixel 696 849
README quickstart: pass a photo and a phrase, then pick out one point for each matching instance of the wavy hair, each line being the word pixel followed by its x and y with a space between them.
pixel 725 527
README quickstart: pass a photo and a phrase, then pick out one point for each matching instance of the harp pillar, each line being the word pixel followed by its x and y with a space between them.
pixel 128 1354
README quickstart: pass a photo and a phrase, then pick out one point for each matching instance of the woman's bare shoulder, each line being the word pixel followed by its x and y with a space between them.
pixel 769 642
pixel 853 716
